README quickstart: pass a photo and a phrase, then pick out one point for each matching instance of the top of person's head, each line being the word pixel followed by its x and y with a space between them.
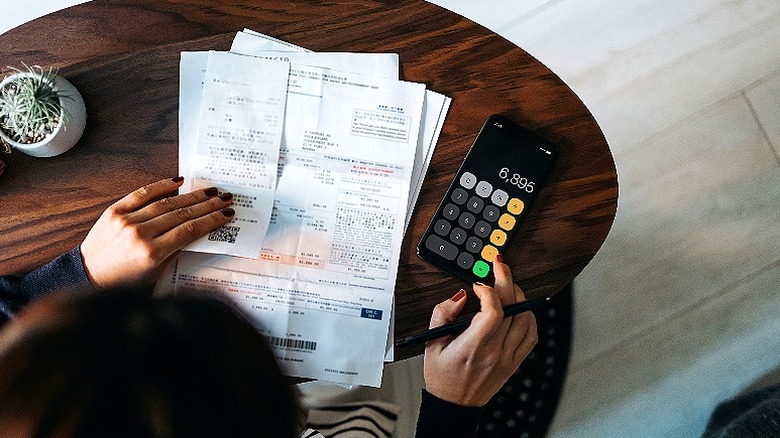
pixel 124 363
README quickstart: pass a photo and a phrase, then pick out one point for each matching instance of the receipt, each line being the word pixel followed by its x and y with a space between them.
pixel 237 147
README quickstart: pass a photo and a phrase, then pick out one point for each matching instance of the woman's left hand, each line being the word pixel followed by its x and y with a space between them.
pixel 137 237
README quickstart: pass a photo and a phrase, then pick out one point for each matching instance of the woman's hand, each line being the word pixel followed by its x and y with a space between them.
pixel 470 369
pixel 137 237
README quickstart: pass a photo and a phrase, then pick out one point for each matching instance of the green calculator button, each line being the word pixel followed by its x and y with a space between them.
pixel 480 269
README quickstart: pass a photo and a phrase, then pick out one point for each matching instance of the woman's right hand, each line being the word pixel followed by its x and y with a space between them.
pixel 470 369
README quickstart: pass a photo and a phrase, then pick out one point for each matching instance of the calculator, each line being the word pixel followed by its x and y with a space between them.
pixel 487 200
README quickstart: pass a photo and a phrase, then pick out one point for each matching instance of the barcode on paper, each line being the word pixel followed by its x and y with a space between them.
pixel 225 234
pixel 292 344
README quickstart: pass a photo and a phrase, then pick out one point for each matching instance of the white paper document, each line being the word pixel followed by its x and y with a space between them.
pixel 237 147
pixel 353 148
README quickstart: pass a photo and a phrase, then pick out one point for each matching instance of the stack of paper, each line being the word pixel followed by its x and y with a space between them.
pixel 325 154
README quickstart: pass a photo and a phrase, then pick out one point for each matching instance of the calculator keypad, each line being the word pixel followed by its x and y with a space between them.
pixel 475 225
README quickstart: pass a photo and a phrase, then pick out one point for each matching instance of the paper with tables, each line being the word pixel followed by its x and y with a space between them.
pixel 354 146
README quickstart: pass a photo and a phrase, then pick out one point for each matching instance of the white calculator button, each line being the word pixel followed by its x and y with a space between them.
pixel 484 189
pixel 499 197
pixel 468 180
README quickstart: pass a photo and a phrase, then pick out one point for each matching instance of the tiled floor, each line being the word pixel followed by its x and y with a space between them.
pixel 679 309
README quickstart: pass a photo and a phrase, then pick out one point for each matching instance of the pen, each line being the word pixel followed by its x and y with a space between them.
pixel 460 325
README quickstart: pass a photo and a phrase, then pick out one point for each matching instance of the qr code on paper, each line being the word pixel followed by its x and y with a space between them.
pixel 225 234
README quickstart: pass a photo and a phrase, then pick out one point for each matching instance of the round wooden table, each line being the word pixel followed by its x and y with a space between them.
pixel 123 56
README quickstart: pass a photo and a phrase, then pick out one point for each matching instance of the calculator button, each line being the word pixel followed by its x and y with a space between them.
pixel 473 244
pixel 466 220
pixel 459 196
pixel 465 260
pixel 489 252
pixel 515 206
pixel 441 247
pixel 499 197
pixel 458 236
pixel 491 213
pixel 507 221
pixel 442 227
pixel 468 180
pixel 498 237
pixel 475 204
pixel 482 229
pixel 480 269
pixel 451 211
pixel 484 189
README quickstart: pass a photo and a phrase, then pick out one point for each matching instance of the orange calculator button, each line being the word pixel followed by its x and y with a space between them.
pixel 515 206
pixel 507 221
pixel 489 253
pixel 498 237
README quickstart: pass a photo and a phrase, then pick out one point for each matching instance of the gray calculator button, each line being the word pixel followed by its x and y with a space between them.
pixel 458 236
pixel 442 227
pixel 441 247
pixel 475 204
pixel 482 229
pixel 468 180
pixel 474 244
pixel 466 220
pixel 465 260
pixel 499 197
pixel 484 189
pixel 450 211
pixel 491 213
pixel 459 196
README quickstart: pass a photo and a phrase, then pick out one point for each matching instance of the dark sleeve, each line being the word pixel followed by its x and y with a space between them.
pixel 66 271
pixel 439 418
pixel 752 415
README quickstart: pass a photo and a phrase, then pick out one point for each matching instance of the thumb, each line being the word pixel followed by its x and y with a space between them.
pixel 446 311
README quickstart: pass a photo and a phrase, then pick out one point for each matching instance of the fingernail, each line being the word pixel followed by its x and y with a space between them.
pixel 211 191
pixel 177 179
pixel 499 258
pixel 226 196
pixel 228 212
pixel 459 296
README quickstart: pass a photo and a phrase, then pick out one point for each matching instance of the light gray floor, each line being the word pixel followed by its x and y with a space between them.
pixel 679 309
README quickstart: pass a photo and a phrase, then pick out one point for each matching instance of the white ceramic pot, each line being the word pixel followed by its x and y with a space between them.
pixel 67 134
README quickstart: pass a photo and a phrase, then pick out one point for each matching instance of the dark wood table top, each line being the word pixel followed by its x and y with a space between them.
pixel 123 55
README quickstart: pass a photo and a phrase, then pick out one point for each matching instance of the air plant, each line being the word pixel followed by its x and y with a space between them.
pixel 31 106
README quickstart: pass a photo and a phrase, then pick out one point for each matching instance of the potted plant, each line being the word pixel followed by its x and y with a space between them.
pixel 41 113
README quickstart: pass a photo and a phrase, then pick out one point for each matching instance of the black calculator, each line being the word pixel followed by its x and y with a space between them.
pixel 479 216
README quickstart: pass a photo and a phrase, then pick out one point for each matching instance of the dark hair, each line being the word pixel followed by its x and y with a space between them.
pixel 124 363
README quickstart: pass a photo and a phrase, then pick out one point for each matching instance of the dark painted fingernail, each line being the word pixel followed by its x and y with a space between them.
pixel 178 179
pixel 499 258
pixel 226 196
pixel 459 296
pixel 228 212
pixel 211 191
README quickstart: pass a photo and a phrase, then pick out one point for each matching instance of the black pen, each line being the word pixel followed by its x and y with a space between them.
pixel 460 325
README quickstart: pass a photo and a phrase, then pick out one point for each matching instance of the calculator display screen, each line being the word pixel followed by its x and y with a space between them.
pixel 487 200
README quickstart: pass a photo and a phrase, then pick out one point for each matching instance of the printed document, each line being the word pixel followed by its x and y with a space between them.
pixel 354 147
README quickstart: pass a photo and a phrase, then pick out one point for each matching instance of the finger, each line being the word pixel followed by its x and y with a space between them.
pixel 486 321
pixel 192 230
pixel 503 285
pixel 172 203
pixel 529 341
pixel 517 331
pixel 446 311
pixel 142 196
pixel 169 220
